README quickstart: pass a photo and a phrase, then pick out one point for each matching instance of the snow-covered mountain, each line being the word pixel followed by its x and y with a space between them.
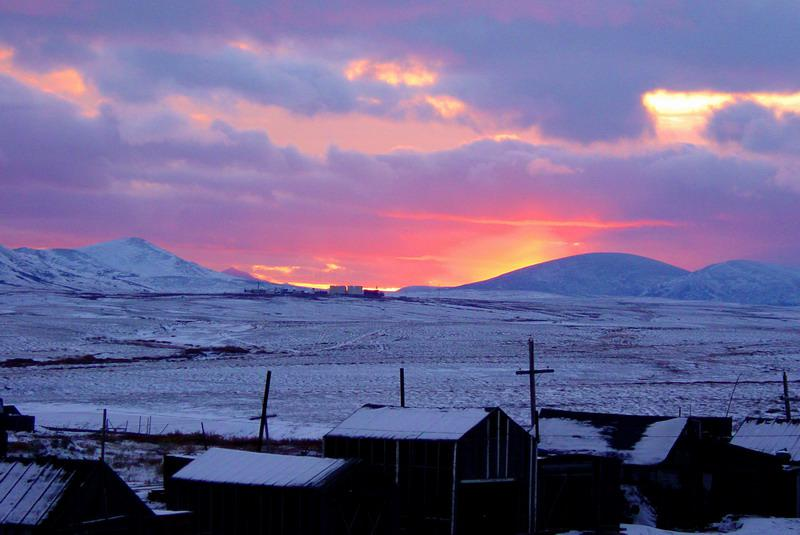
pixel 126 265
pixel 614 274
pixel 66 269
pixel 736 281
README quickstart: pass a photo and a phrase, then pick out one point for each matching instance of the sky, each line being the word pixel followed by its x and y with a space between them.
pixel 391 143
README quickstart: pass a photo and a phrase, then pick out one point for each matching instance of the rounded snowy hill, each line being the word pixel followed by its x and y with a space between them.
pixel 736 281
pixel 612 274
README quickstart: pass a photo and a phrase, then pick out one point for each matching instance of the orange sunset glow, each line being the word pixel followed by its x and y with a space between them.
pixel 681 116
pixel 67 84
pixel 411 73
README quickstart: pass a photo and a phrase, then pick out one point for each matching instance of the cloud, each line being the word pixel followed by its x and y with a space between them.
pixel 155 153
pixel 544 166
pixel 274 207
pixel 302 87
pixel 410 73
pixel 756 128
pixel 574 70
pixel 45 140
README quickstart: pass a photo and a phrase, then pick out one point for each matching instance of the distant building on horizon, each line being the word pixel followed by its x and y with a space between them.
pixel 355 290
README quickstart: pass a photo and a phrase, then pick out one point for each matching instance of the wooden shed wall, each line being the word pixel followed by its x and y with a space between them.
pixel 355 502
pixel 241 509
pixel 493 472
pixel 496 451
pixel 422 472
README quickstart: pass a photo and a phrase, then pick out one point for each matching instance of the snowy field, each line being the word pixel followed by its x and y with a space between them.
pixel 186 359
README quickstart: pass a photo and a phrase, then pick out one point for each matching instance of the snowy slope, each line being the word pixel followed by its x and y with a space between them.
pixel 139 262
pixel 68 269
pixel 142 258
pixel 126 265
pixel 614 274
pixel 736 281
pixel 11 275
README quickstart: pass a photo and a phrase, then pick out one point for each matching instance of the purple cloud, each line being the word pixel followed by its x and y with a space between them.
pixel 573 69
pixel 68 175
pixel 756 128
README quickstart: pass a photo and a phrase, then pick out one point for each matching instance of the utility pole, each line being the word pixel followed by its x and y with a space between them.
pixel 263 429
pixel 533 491
pixel 402 387
pixel 103 436
pixel 786 404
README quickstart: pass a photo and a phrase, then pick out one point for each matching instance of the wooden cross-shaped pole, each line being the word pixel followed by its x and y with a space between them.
pixel 532 372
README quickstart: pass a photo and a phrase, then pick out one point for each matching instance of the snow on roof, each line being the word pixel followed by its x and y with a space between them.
pixel 219 465
pixel 28 492
pixel 633 441
pixel 769 436
pixel 657 441
pixel 374 421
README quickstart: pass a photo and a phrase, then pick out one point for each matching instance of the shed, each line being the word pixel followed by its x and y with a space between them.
pixel 69 497
pixel 663 456
pixel 236 492
pixel 761 467
pixel 635 440
pixel 457 470
pixel 771 436
pixel 750 482
pixel 579 492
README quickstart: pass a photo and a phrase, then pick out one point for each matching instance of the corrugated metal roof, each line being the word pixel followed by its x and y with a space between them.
pixel 403 423
pixel 634 440
pixel 28 492
pixel 769 436
pixel 219 465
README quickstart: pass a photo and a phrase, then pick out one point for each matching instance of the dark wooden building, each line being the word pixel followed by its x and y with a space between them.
pixel 12 420
pixel 579 492
pixel 235 492
pixel 759 471
pixel 457 471
pixel 69 497
pixel 663 457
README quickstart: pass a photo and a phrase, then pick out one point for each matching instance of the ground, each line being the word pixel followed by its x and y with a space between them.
pixel 162 364
pixel 177 361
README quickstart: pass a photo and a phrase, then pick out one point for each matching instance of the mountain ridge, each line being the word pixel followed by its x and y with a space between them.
pixel 129 265
pixel 740 281
pixel 627 275
pixel 590 274
pixel 134 265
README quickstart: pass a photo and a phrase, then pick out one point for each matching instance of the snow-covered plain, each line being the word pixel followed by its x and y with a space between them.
pixel 183 359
